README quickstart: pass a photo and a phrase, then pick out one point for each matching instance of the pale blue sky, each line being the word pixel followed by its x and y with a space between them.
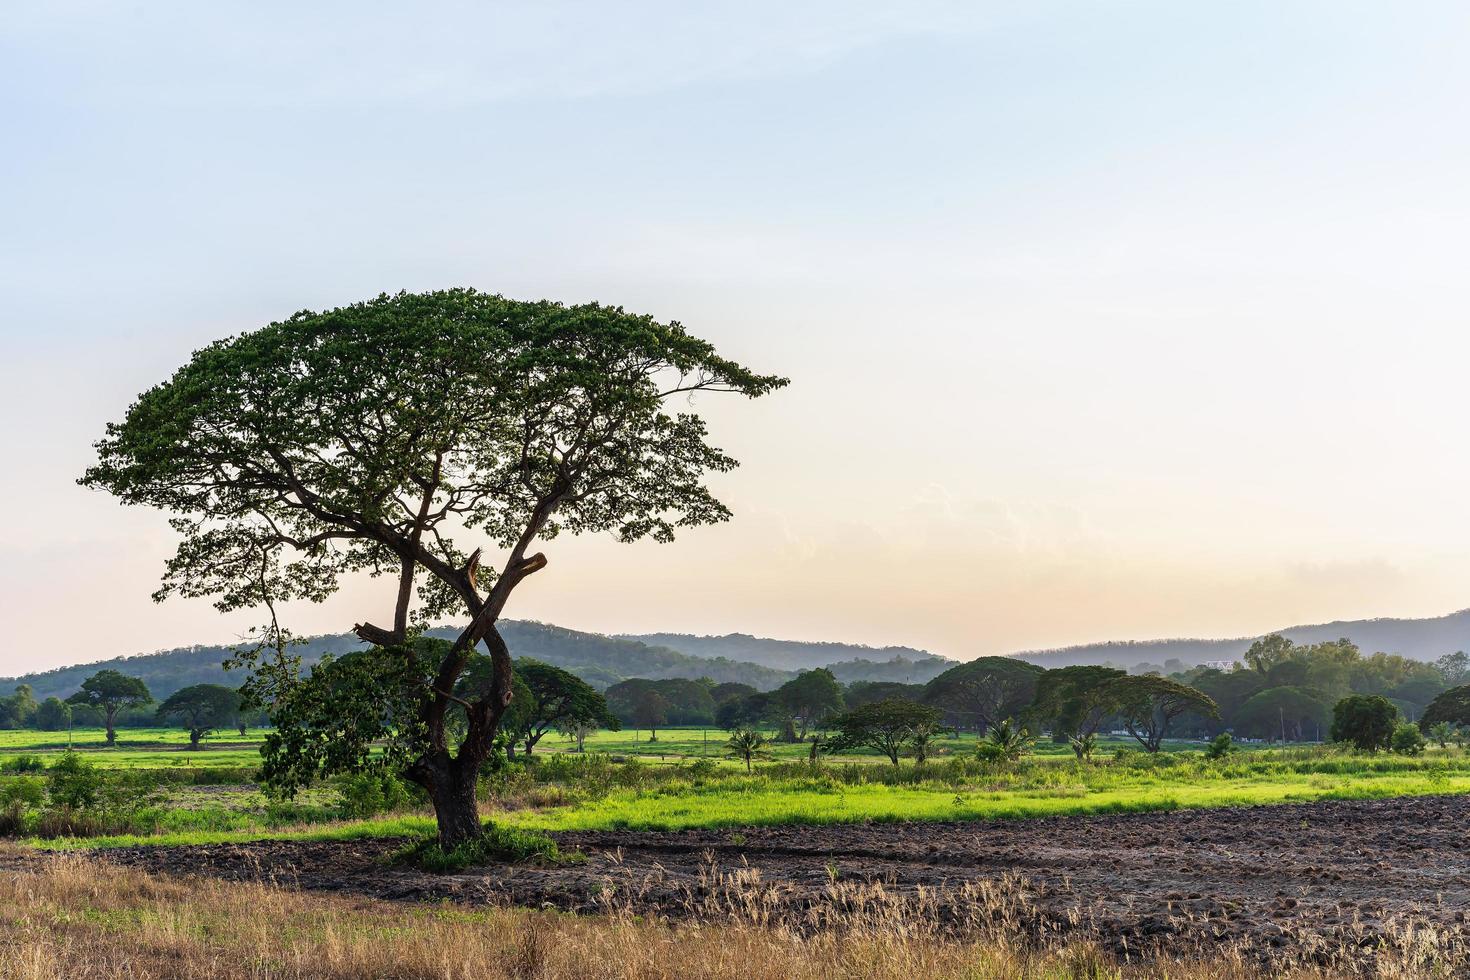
pixel 1104 319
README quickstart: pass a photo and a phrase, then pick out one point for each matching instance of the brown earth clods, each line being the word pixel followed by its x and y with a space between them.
pixel 1311 882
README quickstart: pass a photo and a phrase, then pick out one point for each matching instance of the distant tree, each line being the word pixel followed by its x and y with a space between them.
pixel 558 700
pixel 921 742
pixel 201 709
pixel 730 691
pixel 1149 705
pixel 808 698
pixel 1005 742
pixel 888 726
pixel 579 732
pixel 649 710
pixel 18 710
pixel 1073 700
pixel 1229 690
pixel 687 702
pixel 1454 668
pixel 982 692
pixel 1407 739
pixel 1452 706
pixel 1267 652
pixel 1441 733
pixel 110 691
pixel 747 744
pixel 53 715
pixel 860 693
pixel 1282 712
pixel 1365 720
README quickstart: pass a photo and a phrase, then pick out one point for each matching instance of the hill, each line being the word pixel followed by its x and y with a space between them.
pixel 600 660
pixel 782 654
pixel 1420 639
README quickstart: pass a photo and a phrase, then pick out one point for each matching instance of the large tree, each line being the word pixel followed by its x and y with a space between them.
pixel 109 691
pixel 201 708
pixel 982 692
pixel 363 439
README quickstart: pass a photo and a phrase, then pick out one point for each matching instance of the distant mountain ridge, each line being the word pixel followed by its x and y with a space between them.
pixel 598 659
pixel 765 663
pixel 1419 639
pixel 784 654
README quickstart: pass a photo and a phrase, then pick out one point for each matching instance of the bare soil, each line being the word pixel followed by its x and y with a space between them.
pixel 1311 882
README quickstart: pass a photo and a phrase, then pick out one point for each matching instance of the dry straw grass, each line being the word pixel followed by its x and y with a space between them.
pixel 74 916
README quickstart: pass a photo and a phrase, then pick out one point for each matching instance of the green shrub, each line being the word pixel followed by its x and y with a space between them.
pixel 13 819
pixel 1006 742
pixel 1407 739
pixel 702 768
pixel 367 794
pixel 1220 747
pixel 73 782
pixel 24 763
pixel 496 844
pixel 28 791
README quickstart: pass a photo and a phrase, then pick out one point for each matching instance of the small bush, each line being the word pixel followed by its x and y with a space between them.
pixel 702 768
pixel 366 794
pixel 73 782
pixel 28 791
pixel 496 844
pixel 65 821
pixel 13 819
pixel 24 763
pixel 1220 747
pixel 1407 739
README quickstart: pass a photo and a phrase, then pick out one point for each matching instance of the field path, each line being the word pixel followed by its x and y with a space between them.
pixel 1292 878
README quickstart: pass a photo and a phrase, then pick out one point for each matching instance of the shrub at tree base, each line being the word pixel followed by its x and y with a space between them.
pixel 495 844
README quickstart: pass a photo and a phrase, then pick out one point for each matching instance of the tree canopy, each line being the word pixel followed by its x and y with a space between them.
pixel 1365 720
pixel 556 700
pixel 1452 706
pixel 983 692
pixel 201 709
pixel 809 698
pixel 888 726
pixel 1149 705
pixel 110 691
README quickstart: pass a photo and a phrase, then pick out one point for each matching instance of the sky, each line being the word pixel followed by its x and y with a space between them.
pixel 1103 320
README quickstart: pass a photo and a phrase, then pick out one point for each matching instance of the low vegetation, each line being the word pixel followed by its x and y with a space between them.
pixel 77 917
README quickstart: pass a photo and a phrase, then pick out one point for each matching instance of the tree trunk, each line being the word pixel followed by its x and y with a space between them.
pixel 452 791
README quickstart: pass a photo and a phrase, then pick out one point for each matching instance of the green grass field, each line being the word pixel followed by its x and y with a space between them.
pixel 147 748
pixel 665 785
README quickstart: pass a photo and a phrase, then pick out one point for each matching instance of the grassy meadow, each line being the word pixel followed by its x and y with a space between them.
pixel 169 794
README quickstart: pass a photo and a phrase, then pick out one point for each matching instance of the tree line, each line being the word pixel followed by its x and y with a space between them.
pixel 1282 691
